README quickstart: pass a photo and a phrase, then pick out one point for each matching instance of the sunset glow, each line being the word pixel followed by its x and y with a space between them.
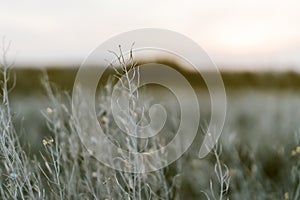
pixel 64 33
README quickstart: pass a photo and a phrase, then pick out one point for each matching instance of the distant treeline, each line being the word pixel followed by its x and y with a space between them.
pixel 28 80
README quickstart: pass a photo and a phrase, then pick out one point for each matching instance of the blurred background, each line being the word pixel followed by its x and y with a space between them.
pixel 255 44
pixel 238 35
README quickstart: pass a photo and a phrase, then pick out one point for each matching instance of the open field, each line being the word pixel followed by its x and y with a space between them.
pixel 260 140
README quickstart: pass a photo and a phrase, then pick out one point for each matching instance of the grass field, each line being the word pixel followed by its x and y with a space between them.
pixel 260 145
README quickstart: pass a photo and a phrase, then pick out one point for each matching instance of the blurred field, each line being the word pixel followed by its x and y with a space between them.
pixel 29 79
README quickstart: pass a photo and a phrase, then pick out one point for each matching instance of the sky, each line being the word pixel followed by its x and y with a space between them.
pixel 236 34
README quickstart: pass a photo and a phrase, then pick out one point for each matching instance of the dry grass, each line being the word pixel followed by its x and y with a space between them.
pixel 66 170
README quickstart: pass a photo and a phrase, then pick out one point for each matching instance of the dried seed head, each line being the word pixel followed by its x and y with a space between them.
pixel 298 149
pixel 51 140
pixel 49 110
pixel 44 142
pixel 286 196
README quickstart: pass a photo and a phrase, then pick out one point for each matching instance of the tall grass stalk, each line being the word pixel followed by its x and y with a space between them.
pixel 18 174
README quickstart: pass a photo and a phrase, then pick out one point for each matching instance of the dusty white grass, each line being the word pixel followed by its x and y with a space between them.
pixel 19 179
pixel 66 170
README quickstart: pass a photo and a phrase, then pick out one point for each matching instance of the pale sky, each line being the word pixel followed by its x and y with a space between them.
pixel 262 34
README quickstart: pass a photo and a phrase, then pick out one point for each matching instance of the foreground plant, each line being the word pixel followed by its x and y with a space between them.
pixel 19 179
pixel 67 170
